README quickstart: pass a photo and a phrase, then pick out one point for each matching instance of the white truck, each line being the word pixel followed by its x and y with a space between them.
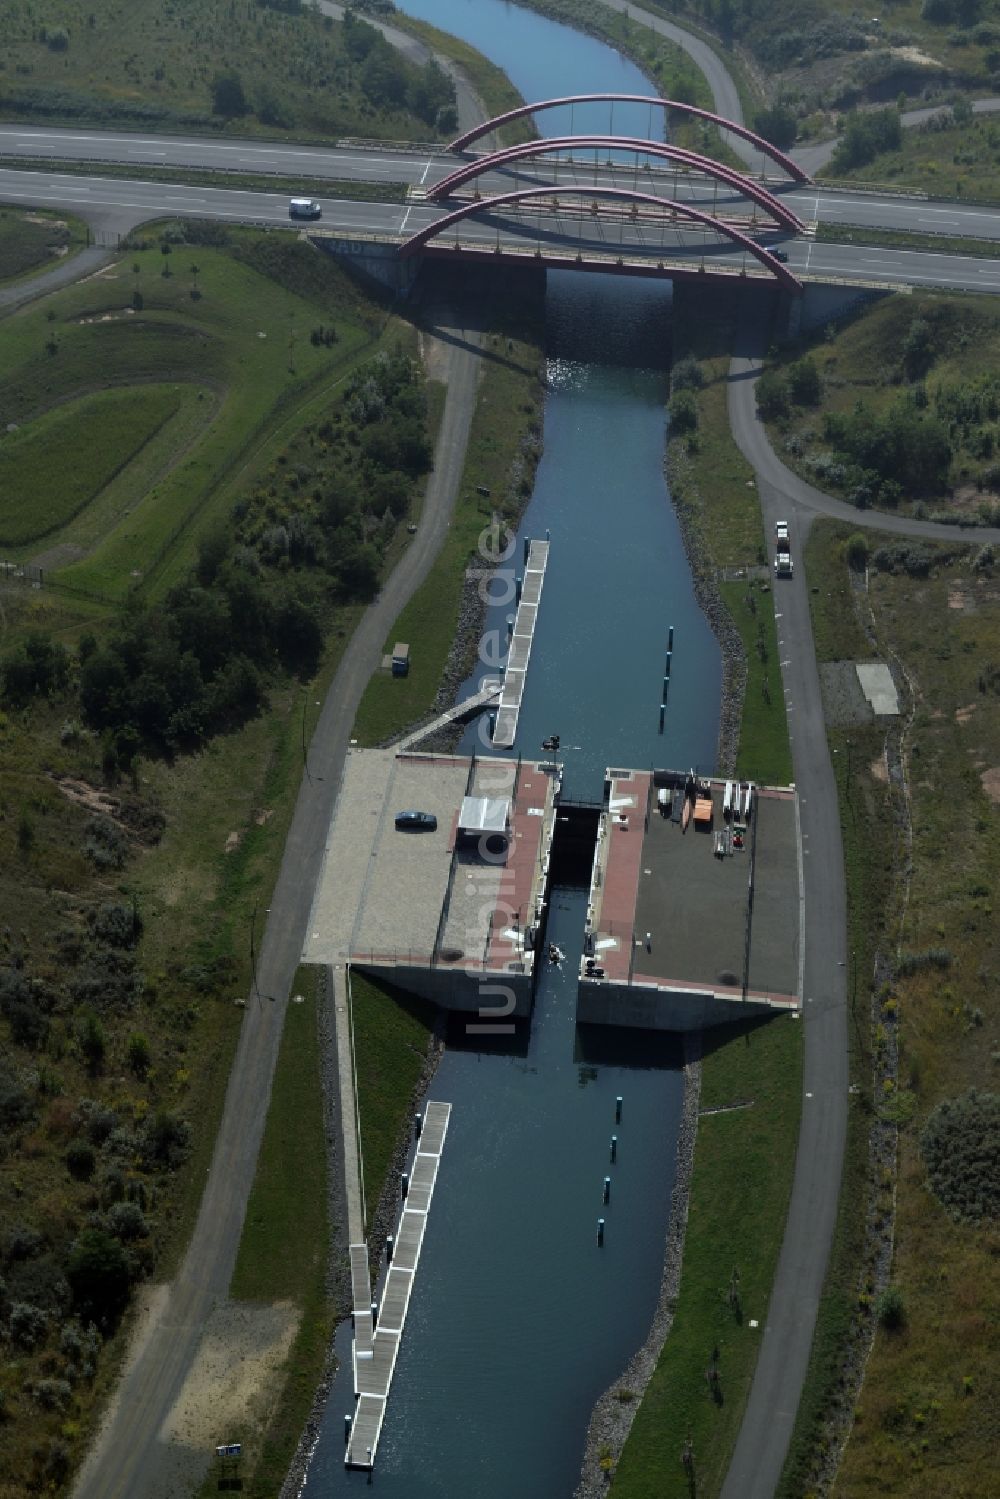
pixel 782 550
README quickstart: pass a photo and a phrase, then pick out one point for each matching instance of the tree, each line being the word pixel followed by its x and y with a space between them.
pixel 772 395
pixel 93 1044
pixel 98 1275
pixel 683 412
pixel 777 125
pixel 139 1054
pixel 228 96
pixel 804 384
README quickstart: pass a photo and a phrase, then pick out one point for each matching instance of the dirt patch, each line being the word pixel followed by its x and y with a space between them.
pixel 265 815
pixel 879 771
pixel 991 783
pixel 59 556
pixel 958 599
pixel 844 704
pixel 38 218
pixel 233 1378
pixel 98 802
pixel 233 843
pixel 962 715
pixel 108 317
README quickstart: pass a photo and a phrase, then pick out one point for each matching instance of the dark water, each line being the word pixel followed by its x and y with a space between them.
pixel 617 576
pixel 518 1321
pixel 545 60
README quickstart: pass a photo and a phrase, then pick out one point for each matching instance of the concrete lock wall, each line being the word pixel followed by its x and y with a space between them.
pixel 469 992
pixel 380 262
pixel 646 1008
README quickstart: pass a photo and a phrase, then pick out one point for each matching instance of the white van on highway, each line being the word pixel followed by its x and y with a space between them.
pixel 304 208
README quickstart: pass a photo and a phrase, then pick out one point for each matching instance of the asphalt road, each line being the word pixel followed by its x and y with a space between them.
pixel 113 206
pixel 129 1458
pixel 774 1396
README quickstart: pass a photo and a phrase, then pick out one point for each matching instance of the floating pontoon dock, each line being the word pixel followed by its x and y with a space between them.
pixel 375 1349
pixel 515 674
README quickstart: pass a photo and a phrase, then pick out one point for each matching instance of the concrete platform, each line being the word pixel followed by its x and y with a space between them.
pixel 681 935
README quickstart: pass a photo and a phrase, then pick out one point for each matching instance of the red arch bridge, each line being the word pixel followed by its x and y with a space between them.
pixel 599 201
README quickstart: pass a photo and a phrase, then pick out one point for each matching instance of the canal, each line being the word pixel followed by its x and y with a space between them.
pixel 519 1320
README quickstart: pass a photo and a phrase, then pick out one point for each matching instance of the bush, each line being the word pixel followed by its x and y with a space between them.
pixel 26 1324
pixel 686 374
pixel 891 1309
pixel 683 413
pixel 960 1144
pixel 772 395
pixel 866 135
pixel 81 1160
pixel 139 1055
pixel 804 385
pixel 857 550
pixel 99 1277
pixel 53 1394
pixel 126 1222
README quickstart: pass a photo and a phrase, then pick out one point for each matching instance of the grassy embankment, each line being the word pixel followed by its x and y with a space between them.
pixel 946 158
pixel 227 342
pixel 35 240
pixel 901 413
pixel 135 1015
pixel 922 1423
pixel 743 1158
pixel 926 1421
pixel 140 65
pixel 508 410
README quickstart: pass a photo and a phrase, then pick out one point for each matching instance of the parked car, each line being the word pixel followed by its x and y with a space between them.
pixel 416 822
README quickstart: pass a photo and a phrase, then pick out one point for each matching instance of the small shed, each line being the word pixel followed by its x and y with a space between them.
pixel 485 821
pixel 400 659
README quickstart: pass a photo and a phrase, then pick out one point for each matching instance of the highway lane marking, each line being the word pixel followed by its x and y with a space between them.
pixel 310 153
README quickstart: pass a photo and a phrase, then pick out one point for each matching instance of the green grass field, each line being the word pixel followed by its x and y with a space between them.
pixel 141 65
pixel 86 443
pixel 925 1422
pixel 237 321
pixel 392 1031
pixel 35 241
pixel 736 1220
pixel 285 1244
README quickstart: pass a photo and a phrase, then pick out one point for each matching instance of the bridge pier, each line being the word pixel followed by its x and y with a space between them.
pixel 379 262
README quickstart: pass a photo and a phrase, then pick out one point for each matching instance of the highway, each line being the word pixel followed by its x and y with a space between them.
pixel 423 167
pixel 116 205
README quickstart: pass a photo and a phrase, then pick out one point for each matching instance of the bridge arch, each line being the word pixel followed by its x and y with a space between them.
pixel 512 154
pixel 785 162
pixel 781 273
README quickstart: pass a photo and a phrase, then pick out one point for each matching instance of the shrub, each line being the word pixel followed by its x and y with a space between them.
pixel 92 1043
pixel 126 1222
pixel 857 550
pixel 891 1310
pixel 804 385
pixel 99 1277
pixel 960 1144
pixel 683 412
pixel 139 1055
pixel 772 395
pixel 53 1394
pixel 26 1324
pixel 81 1160
pixel 686 374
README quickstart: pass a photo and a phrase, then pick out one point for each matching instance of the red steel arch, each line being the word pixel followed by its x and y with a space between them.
pixel 781 272
pixel 791 167
pixel 510 154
